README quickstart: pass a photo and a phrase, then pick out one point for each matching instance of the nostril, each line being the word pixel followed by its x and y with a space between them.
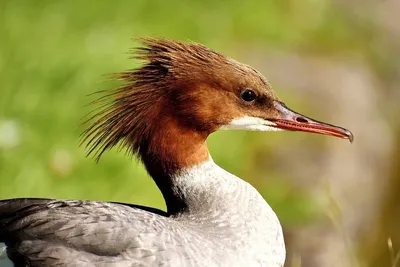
pixel 301 120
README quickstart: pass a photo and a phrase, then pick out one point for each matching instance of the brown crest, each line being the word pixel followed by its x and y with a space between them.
pixel 169 106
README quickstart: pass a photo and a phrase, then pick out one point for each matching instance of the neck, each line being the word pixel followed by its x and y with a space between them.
pixel 166 154
pixel 179 162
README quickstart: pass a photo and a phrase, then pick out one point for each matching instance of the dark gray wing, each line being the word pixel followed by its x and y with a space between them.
pixel 45 232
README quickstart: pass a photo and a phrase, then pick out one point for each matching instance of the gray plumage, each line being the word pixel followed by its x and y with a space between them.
pixel 242 230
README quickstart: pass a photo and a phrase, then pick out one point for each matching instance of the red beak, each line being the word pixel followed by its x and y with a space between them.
pixel 292 121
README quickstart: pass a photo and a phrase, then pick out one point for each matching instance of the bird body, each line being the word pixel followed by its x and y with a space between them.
pixel 241 232
pixel 163 115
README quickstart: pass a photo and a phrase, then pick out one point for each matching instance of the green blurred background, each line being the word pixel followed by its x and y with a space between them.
pixel 337 61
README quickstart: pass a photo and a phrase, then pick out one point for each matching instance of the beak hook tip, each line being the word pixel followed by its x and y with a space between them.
pixel 350 136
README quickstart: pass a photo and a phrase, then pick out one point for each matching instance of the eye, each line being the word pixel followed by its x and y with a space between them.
pixel 248 95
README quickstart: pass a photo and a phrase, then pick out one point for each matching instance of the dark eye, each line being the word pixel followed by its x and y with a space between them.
pixel 248 95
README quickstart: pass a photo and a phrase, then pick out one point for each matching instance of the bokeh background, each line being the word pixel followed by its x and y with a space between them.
pixel 334 60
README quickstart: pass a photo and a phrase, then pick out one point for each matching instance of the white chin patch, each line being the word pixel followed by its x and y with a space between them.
pixel 252 124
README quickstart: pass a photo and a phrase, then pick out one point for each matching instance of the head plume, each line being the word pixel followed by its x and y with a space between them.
pixel 127 113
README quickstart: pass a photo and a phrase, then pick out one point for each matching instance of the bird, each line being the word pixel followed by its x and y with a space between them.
pixel 162 114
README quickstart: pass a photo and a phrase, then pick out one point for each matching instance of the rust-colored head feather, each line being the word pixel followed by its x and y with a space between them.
pixel 169 106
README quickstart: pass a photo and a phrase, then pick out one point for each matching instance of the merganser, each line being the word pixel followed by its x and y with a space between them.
pixel 163 114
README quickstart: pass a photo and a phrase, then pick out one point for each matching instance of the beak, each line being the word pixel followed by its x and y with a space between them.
pixel 292 121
